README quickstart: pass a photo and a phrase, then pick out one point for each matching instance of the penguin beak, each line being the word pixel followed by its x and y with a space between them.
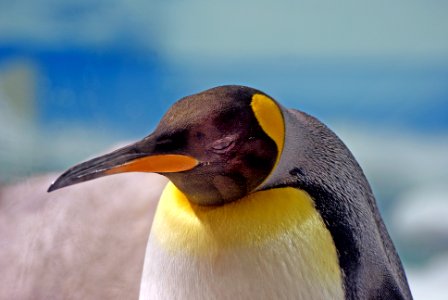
pixel 138 157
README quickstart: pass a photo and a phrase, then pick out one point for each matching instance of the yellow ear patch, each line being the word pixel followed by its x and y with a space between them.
pixel 270 118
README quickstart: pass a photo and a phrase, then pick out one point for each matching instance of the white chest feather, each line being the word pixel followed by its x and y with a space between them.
pixel 270 245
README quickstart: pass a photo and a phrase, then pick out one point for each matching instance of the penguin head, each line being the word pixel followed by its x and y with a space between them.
pixel 215 146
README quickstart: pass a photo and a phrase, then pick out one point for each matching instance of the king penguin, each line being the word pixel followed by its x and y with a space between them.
pixel 263 202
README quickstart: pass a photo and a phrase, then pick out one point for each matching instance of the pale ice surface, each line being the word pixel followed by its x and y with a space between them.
pixel 423 211
pixel 430 281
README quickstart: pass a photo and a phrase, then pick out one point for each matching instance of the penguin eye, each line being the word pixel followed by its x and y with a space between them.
pixel 223 145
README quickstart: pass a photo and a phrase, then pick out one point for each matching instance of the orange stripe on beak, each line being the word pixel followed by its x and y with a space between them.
pixel 164 163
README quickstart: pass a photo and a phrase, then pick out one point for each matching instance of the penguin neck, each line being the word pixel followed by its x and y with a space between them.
pixel 251 221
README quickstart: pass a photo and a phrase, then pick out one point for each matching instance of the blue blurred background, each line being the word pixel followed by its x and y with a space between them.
pixel 78 76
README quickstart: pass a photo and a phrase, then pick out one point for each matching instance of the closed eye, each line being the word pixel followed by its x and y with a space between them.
pixel 223 145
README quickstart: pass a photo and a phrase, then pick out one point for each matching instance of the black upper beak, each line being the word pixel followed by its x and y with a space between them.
pixel 137 157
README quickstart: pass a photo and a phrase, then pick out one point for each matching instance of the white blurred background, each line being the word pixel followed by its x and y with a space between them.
pixel 77 77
